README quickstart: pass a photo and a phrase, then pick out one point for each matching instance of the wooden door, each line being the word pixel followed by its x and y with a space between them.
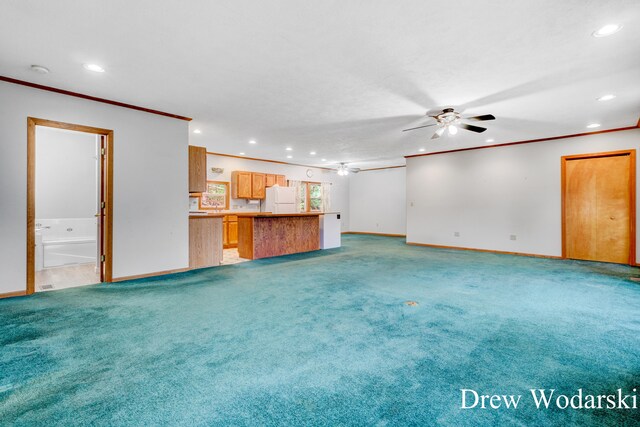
pixel 281 180
pixel 271 180
pixel 241 185
pixel 599 207
pixel 257 185
pixel 197 169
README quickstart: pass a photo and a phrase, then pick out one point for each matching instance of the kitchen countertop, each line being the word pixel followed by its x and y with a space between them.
pixel 207 215
pixel 220 214
pixel 271 215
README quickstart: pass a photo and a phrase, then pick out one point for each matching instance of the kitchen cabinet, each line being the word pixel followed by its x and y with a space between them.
pixel 241 185
pixel 197 169
pixel 273 179
pixel 230 231
pixel 205 241
pixel 257 185
pixel 252 185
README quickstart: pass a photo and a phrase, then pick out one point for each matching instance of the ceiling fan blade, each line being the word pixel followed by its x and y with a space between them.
pixel 438 133
pixel 481 118
pixel 425 126
pixel 472 128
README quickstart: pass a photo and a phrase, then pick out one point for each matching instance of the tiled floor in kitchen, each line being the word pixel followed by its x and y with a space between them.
pixel 231 256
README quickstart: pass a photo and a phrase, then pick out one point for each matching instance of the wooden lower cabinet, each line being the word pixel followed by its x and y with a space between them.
pixel 205 241
pixel 232 228
pixel 230 231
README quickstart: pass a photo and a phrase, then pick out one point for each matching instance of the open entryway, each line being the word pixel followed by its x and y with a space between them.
pixel 69 205
pixel 598 195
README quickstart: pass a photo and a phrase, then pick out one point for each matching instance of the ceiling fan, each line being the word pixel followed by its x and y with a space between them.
pixel 450 120
pixel 344 170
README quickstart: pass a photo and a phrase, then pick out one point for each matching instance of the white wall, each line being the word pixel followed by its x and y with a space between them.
pixel 339 184
pixel 377 202
pixel 489 194
pixel 66 174
pixel 150 181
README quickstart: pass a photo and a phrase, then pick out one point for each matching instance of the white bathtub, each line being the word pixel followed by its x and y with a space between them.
pixel 66 241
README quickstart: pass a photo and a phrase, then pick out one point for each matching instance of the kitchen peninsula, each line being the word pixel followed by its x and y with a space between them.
pixel 263 235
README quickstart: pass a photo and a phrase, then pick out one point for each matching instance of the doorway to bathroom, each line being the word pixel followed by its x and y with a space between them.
pixel 69 205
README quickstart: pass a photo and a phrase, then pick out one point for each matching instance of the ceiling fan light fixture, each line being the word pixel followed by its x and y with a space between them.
pixel 452 130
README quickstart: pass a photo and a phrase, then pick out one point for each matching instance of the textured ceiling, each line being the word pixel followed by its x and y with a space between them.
pixel 341 78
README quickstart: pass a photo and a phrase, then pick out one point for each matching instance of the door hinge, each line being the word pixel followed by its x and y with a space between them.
pixel 102 258
pixel 102 205
pixel 102 151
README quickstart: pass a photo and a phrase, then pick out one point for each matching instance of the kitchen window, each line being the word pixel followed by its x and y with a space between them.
pixel 216 196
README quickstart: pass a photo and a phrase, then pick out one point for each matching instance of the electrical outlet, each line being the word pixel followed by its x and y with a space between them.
pixel 456 234
pixel 512 237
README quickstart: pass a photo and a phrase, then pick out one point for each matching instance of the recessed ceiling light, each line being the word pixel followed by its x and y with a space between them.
pixel 289 157
pixel 197 131
pixel 323 160
pixel 607 30
pixel 40 69
pixel 607 97
pixel 93 67
pixel 489 140
pixel 313 153
pixel 242 154
pixel 252 141
pixel 421 150
pixel 289 149
pixel 593 125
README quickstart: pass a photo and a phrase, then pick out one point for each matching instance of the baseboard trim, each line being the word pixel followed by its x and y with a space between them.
pixel 142 276
pixel 374 234
pixel 460 248
pixel 13 294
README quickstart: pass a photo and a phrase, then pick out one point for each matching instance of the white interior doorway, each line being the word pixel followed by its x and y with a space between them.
pixel 67 206
pixel 69 209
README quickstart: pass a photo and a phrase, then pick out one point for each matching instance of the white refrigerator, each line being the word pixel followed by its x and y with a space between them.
pixel 280 200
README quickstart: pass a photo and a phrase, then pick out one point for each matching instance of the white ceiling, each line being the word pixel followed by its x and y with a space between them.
pixel 339 77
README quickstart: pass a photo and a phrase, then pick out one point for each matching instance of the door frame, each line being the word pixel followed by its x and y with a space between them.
pixel 632 196
pixel 106 185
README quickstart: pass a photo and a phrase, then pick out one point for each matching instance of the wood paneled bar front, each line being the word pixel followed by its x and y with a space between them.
pixel 263 235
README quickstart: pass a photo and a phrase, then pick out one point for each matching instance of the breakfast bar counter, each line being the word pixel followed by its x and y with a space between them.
pixel 263 235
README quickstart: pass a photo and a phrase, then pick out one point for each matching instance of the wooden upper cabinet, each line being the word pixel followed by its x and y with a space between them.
pixel 252 185
pixel 271 180
pixel 257 185
pixel 197 169
pixel 241 183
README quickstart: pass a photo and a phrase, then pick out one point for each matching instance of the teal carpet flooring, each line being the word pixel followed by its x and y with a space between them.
pixel 326 339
